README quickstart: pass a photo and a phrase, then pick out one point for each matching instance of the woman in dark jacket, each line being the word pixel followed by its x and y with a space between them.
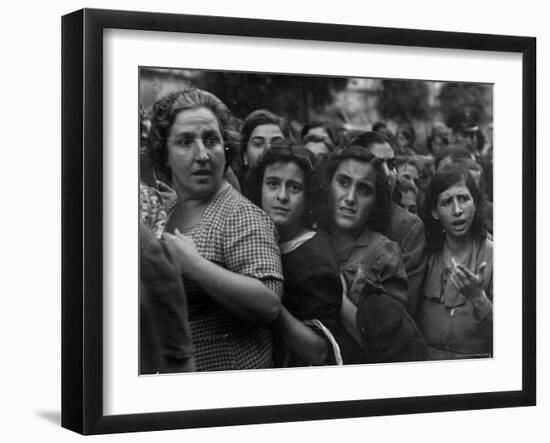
pixel 283 185
pixel 377 326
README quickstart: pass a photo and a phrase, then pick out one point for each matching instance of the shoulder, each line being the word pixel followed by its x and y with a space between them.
pixel 383 247
pixel 485 252
pixel 320 243
pixel 377 250
pixel 242 222
pixel 403 222
pixel 317 252
pixel 235 210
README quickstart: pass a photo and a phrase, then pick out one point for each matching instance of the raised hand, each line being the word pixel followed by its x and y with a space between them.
pixel 468 282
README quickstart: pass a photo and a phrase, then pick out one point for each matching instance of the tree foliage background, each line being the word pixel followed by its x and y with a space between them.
pixel 404 100
pixel 294 97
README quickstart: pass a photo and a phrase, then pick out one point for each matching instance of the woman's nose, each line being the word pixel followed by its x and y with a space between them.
pixel 282 194
pixel 202 152
pixel 350 197
pixel 457 208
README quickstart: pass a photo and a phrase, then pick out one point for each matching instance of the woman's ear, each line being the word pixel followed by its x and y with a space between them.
pixel 435 214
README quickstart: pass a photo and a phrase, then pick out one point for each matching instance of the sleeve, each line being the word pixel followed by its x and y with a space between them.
pixel 483 311
pixel 414 259
pixel 323 286
pixel 250 247
pixel 385 275
pixel 387 331
pixel 165 331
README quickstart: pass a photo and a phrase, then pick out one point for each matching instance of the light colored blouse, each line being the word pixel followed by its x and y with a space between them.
pixel 452 325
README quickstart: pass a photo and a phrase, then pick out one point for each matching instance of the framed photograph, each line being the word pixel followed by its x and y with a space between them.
pixel 201 155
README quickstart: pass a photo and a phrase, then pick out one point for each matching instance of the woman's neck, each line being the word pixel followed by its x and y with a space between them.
pixel 290 233
pixel 342 240
pixel 457 245
pixel 190 202
pixel 189 209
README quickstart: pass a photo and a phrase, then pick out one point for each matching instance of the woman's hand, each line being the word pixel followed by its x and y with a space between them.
pixel 183 249
pixel 468 282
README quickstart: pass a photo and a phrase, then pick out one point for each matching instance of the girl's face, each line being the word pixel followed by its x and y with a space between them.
pixel 402 141
pixel 284 196
pixel 409 173
pixel 455 210
pixel 261 138
pixel 352 195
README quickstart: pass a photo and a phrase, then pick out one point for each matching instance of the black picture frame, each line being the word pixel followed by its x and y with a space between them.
pixel 82 220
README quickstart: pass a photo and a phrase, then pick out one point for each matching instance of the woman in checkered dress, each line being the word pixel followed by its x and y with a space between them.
pixel 225 246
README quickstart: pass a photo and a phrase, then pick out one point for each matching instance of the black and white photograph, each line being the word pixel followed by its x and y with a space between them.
pixel 292 221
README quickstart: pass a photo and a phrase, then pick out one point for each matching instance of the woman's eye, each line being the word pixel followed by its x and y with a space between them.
pixel 185 141
pixel 271 184
pixel 343 182
pixel 464 198
pixel 257 143
pixel 295 188
pixel 364 190
pixel 211 141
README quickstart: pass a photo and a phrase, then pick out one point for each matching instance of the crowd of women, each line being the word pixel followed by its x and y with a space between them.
pixel 263 249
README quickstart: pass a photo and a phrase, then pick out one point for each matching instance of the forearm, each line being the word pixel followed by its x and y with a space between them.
pixel 348 313
pixel 301 339
pixel 483 313
pixel 246 297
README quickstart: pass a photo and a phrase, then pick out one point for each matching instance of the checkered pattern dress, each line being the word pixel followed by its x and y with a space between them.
pixel 240 237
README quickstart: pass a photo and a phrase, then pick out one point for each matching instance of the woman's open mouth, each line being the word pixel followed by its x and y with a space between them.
pixel 202 172
pixel 347 211
pixel 459 225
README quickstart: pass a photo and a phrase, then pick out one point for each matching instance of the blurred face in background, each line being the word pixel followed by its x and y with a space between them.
pixel 385 152
pixel 402 140
pixel 466 139
pixel 318 148
pixel 408 173
pixel 261 138
pixel 408 201
pixel 318 132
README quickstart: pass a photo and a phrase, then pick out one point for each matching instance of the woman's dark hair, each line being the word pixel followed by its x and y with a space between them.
pixel 317 124
pixel 369 138
pixel 454 152
pixel 261 117
pixel 164 114
pixel 286 153
pixel 315 139
pixel 379 220
pixel 445 178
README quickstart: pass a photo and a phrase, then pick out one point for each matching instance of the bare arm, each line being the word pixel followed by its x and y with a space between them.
pixel 303 340
pixel 246 297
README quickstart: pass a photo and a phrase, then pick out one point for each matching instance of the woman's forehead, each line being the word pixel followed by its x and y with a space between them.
pixel 266 131
pixel 289 170
pixel 456 189
pixel 196 117
pixel 357 169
